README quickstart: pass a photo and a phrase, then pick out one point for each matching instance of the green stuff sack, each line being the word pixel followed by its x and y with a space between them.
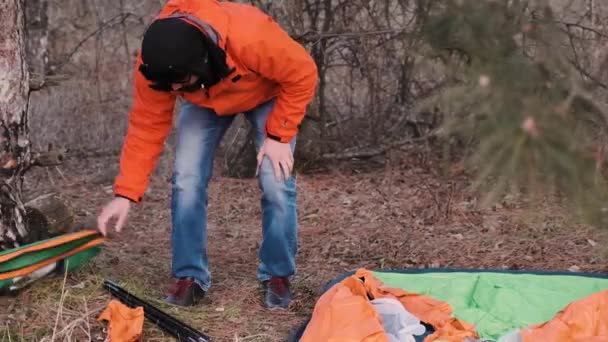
pixel 24 265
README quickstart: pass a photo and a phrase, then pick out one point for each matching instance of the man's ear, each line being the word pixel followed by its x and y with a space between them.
pixel 143 68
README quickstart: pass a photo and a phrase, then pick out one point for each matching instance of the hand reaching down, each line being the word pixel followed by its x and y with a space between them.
pixel 117 209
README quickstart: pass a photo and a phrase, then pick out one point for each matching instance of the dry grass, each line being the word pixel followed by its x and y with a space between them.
pixel 402 216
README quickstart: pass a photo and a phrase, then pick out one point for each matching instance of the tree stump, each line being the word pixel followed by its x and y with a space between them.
pixel 47 216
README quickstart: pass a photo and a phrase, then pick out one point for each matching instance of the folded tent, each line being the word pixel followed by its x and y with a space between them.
pixel 26 264
pixel 458 304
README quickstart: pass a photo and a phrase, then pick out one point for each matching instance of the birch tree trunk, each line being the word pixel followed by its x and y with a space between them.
pixel 15 147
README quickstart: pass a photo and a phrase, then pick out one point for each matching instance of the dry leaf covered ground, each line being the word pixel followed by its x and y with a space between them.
pixel 399 216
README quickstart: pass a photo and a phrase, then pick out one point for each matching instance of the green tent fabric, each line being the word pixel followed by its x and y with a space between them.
pixel 64 253
pixel 498 302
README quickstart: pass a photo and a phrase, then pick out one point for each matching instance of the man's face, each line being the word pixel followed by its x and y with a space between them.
pixel 188 84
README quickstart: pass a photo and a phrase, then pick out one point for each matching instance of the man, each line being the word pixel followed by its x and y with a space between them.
pixel 222 59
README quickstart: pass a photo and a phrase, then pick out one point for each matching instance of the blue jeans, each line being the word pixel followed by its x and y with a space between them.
pixel 199 131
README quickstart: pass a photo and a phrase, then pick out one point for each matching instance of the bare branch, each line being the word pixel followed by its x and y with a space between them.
pixel 372 151
pixel 314 36
pixel 109 23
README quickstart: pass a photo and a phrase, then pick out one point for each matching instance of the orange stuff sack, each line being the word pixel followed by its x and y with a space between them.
pixel 345 314
pixel 125 324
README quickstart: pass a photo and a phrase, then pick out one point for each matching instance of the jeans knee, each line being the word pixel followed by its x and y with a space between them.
pixel 189 186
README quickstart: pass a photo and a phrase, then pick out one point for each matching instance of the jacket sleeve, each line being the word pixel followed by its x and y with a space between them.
pixel 275 55
pixel 150 122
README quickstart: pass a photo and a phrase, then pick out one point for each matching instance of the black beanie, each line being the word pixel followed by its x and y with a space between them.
pixel 172 48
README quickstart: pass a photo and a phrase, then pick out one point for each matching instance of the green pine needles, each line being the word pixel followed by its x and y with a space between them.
pixel 536 125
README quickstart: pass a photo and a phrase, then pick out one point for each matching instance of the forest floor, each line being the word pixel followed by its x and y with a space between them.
pixel 401 215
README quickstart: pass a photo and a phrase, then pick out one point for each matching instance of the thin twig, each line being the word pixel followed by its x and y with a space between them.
pixel 60 310
pixel 125 40
pixel 68 330
pixel 61 173
pixel 369 152
pixel 588 75
pixel 247 338
pixel 448 206
pixel 122 16
pixel 86 315
pixel 433 194
pixel 314 36
pixel 48 172
pixel 584 28
pixel 8 332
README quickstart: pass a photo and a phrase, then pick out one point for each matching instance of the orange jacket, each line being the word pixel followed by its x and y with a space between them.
pixel 268 64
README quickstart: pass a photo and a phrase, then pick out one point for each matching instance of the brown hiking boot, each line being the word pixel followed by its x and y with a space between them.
pixel 185 292
pixel 277 294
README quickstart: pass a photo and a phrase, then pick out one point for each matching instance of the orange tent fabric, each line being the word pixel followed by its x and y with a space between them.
pixel 125 324
pixel 344 313
pixel 583 320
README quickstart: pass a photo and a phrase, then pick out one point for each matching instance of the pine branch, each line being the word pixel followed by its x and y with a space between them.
pixel 535 125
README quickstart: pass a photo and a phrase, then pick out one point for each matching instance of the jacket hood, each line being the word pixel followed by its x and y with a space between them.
pixel 207 14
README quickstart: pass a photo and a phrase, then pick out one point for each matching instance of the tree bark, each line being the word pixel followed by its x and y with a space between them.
pixel 36 27
pixel 240 155
pixel 15 147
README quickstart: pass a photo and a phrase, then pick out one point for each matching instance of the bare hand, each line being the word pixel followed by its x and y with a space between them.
pixel 280 157
pixel 117 208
